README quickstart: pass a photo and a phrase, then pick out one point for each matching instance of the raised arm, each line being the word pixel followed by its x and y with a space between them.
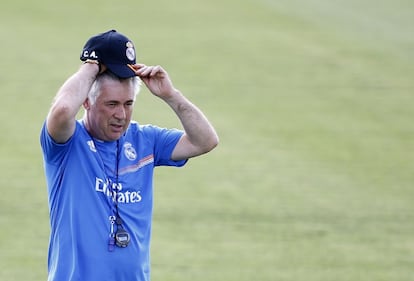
pixel 61 120
pixel 200 136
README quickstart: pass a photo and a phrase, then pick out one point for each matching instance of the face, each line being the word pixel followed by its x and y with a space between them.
pixel 109 117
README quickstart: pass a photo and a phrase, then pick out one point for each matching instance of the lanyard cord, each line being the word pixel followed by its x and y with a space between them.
pixel 114 190
pixel 119 236
pixel 113 186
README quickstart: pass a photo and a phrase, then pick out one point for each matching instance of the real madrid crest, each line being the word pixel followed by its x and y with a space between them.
pixel 129 151
pixel 130 51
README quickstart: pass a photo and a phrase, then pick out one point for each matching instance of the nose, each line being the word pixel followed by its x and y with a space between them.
pixel 120 112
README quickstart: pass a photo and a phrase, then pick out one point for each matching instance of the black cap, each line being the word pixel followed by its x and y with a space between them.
pixel 112 49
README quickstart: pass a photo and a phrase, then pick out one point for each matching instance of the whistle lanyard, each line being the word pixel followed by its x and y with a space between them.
pixel 114 218
pixel 117 234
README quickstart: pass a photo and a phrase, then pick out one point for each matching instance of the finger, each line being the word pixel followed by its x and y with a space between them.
pixel 135 67
pixel 156 70
pixel 145 71
pixel 132 67
pixel 151 71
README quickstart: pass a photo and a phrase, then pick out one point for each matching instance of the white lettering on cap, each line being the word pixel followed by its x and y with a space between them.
pixel 93 55
pixel 86 54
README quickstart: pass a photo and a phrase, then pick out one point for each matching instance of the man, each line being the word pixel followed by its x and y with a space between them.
pixel 99 169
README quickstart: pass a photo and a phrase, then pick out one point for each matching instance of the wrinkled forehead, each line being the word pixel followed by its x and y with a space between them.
pixel 119 90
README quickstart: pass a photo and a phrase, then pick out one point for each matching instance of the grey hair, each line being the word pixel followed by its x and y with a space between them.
pixel 94 91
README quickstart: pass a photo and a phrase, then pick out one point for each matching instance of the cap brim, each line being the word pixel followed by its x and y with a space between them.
pixel 120 70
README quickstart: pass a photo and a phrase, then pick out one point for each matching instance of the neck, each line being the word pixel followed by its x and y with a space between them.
pixel 87 125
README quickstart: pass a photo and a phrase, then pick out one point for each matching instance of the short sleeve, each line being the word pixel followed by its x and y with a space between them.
pixel 164 141
pixel 53 152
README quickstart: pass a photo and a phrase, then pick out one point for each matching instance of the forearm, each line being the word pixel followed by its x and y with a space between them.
pixel 200 134
pixel 74 91
pixel 68 100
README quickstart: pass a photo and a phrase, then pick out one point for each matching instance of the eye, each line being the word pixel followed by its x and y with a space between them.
pixel 111 104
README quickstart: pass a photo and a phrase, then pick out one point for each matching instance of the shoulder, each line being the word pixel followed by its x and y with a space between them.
pixel 54 151
pixel 144 130
pixel 45 136
pixel 148 133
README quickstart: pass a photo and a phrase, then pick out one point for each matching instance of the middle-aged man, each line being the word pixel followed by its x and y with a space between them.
pixel 99 169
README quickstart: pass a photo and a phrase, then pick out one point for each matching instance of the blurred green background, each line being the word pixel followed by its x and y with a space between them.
pixel 312 99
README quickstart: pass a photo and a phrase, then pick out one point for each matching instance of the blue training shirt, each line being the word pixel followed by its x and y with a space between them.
pixel 80 175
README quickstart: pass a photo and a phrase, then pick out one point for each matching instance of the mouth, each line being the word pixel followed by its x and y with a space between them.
pixel 117 127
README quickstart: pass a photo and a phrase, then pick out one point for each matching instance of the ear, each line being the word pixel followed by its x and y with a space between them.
pixel 86 104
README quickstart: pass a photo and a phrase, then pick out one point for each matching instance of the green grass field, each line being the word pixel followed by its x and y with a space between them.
pixel 313 101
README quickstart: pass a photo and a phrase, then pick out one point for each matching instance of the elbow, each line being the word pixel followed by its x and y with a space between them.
pixel 187 148
pixel 212 143
pixel 61 111
pixel 215 142
pixel 58 116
